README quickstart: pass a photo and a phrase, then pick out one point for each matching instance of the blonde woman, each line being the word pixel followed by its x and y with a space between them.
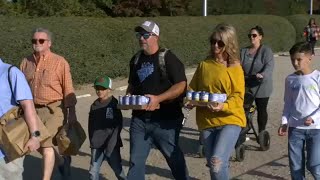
pixel 221 72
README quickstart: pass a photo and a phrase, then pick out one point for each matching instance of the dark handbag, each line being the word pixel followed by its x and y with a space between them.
pixel 250 79
pixel 70 138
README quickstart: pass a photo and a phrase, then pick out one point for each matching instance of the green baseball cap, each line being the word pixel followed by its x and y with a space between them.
pixel 103 81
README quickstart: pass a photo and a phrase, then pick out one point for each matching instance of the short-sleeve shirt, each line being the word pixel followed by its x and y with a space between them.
pixel 145 78
pixel 20 87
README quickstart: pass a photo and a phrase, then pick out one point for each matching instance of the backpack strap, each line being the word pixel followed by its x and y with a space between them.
pixel 254 59
pixel 10 83
pixel 136 57
pixel 162 62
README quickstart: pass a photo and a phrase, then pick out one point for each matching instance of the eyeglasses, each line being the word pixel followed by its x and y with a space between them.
pixel 252 35
pixel 219 42
pixel 41 41
pixel 144 35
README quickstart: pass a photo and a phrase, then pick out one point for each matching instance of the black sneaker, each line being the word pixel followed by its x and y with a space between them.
pixel 64 168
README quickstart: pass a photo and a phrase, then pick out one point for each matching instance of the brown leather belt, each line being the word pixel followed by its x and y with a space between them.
pixel 45 105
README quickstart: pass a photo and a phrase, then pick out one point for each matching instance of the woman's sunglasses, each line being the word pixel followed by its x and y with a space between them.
pixel 252 35
pixel 219 42
pixel 41 41
pixel 144 35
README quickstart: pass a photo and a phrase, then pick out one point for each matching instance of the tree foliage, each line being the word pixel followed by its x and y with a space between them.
pixel 151 8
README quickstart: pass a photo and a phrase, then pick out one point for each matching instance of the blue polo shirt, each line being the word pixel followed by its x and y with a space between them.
pixel 20 87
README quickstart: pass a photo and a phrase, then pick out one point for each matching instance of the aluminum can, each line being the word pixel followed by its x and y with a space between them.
pixel 189 95
pixel 120 101
pixel 222 98
pixel 204 97
pixel 196 96
pixel 126 100
pixel 138 100
pixel 213 97
pixel 133 100
pixel 142 100
pixel 145 100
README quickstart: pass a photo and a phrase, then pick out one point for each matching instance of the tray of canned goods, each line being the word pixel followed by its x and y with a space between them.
pixel 135 102
pixel 202 98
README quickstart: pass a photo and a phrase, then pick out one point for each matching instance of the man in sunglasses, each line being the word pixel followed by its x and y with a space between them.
pixel 49 77
pixel 160 123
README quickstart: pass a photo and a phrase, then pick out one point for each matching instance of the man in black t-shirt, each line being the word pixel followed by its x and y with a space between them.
pixel 159 127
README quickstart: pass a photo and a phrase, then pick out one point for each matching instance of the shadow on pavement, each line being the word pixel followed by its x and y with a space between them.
pixel 165 173
pixel 126 122
pixel 189 146
pixel 83 154
pixel 257 172
pixel 33 170
pixel 189 131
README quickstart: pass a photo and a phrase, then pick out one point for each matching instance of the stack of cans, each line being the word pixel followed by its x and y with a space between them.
pixel 206 96
pixel 133 100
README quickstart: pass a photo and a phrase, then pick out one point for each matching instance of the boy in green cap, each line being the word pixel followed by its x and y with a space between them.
pixel 105 125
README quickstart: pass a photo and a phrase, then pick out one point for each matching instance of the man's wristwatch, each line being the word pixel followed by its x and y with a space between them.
pixel 35 134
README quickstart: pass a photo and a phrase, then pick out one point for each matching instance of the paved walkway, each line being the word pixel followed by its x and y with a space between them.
pixel 271 164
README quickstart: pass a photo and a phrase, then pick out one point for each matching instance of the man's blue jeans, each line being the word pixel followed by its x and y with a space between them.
pixel 219 142
pixel 298 140
pixel 98 156
pixel 165 136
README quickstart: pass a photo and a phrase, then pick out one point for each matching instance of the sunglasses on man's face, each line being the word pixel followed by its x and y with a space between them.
pixel 41 41
pixel 144 35
pixel 252 35
pixel 216 41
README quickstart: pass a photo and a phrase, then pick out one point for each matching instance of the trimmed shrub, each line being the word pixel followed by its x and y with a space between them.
pixel 95 46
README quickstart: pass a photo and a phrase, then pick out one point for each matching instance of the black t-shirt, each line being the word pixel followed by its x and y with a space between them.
pixel 105 124
pixel 145 78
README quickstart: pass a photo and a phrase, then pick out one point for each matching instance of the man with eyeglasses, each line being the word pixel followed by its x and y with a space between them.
pixel 160 123
pixel 49 77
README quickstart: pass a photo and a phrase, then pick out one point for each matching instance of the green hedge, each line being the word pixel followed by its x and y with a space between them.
pixel 95 46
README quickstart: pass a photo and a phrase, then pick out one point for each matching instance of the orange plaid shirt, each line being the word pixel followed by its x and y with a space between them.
pixel 50 79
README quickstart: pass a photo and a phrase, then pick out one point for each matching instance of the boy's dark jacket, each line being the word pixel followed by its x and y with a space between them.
pixel 105 125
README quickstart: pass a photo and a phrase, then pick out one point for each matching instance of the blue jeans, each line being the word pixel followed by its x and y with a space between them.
pixel 298 140
pixel 165 136
pixel 98 156
pixel 219 142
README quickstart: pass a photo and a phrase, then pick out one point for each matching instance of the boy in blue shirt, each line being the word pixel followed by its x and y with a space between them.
pixel 105 125
pixel 301 114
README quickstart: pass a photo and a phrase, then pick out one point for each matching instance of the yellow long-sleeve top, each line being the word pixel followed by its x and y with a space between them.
pixel 214 77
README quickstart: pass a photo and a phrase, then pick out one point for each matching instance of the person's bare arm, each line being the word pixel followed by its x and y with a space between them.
pixel 173 92
pixel 32 122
